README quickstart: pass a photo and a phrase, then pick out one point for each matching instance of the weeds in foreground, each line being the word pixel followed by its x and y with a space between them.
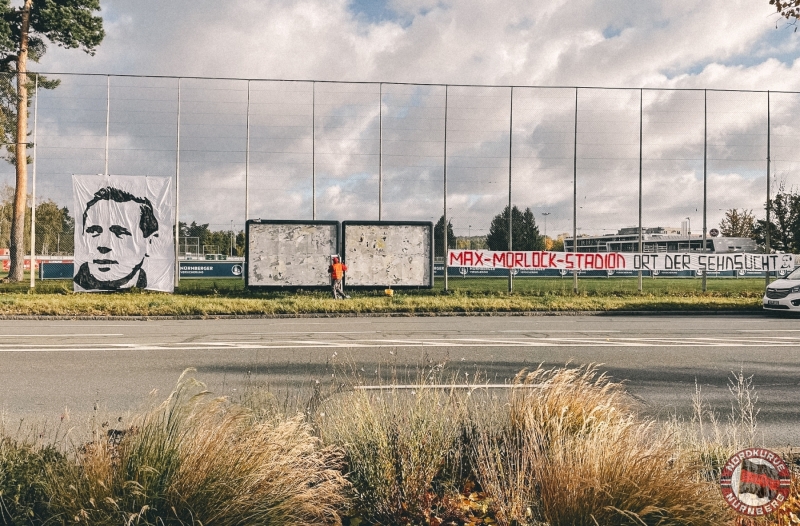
pixel 200 460
pixel 402 448
pixel 562 446
pixel 573 451
pixel 23 465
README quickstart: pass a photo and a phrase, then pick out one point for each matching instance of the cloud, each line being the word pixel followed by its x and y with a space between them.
pixel 679 45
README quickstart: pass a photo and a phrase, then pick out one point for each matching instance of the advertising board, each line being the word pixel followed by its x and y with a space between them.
pixel 289 254
pixel 392 254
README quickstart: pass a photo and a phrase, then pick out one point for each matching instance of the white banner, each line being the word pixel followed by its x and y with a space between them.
pixel 619 261
pixel 123 233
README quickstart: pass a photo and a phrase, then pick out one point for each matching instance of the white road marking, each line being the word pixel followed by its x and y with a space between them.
pixel 768 330
pixel 548 331
pixel 312 332
pixel 778 341
pixel 65 335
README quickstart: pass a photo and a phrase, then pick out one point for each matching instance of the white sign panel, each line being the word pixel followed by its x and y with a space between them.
pixel 123 233
pixel 619 261
pixel 388 254
pixel 290 254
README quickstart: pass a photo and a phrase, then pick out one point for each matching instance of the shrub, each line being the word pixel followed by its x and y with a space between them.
pixel 402 450
pixel 572 451
pixel 202 460
pixel 23 470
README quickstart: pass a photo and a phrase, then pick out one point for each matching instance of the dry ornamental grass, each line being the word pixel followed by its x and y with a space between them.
pixel 563 446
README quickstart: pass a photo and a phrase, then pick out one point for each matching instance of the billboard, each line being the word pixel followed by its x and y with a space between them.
pixel 123 233
pixel 289 254
pixel 388 253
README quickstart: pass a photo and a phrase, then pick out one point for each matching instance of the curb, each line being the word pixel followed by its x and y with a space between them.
pixel 675 313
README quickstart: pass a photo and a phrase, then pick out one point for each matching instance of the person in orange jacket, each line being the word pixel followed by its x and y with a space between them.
pixel 337 270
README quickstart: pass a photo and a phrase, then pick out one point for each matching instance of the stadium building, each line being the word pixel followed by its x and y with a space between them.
pixel 660 239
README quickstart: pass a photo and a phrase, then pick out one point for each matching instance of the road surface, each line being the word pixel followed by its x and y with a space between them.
pixel 50 368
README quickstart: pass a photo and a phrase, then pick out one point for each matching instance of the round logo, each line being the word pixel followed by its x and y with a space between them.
pixel 755 482
pixel 714 232
pixel 236 270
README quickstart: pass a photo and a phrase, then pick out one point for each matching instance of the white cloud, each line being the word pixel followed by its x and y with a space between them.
pixel 678 44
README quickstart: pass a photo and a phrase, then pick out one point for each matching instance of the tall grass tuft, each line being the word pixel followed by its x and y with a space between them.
pixel 572 450
pixel 23 468
pixel 197 459
pixel 402 450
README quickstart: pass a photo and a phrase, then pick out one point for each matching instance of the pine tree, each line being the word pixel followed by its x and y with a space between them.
pixel 524 232
pixel 24 33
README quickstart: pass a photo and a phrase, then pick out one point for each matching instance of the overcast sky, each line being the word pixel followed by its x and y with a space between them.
pixel 715 44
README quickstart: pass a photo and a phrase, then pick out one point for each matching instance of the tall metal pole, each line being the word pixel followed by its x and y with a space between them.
pixel 767 225
pixel 641 126
pixel 177 189
pixel 705 181
pixel 380 151
pixel 575 195
pixel 313 151
pixel 33 184
pixel 108 117
pixel 247 162
pixel 510 224
pixel 444 194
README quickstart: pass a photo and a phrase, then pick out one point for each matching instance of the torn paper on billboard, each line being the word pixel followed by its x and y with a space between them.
pixel 388 254
pixel 123 233
pixel 290 254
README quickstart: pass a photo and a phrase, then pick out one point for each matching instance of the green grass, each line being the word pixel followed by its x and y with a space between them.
pixel 213 297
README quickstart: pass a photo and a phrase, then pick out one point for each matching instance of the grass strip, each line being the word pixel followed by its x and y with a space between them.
pixel 207 297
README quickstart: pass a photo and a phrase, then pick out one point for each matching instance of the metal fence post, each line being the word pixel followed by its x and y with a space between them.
pixel 247 161
pixel 575 194
pixel 313 151
pixel 705 182
pixel 641 126
pixel 444 193
pixel 380 151
pixel 108 118
pixel 767 225
pixel 33 183
pixel 510 215
pixel 177 189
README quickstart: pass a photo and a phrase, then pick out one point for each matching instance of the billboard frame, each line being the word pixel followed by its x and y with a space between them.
pixel 343 246
pixel 249 222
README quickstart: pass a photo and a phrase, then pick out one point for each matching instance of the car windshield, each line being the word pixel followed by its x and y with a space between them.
pixel 795 274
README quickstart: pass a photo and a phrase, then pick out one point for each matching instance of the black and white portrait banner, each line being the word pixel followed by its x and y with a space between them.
pixel 123 233
pixel 619 261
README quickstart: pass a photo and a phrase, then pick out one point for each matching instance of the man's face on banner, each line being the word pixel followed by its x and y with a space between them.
pixel 116 243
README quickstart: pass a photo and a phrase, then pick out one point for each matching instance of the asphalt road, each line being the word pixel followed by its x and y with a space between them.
pixel 51 368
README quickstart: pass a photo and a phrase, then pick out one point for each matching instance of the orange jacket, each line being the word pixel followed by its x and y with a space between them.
pixel 337 270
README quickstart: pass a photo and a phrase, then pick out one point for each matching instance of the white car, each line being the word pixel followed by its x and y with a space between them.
pixel 784 294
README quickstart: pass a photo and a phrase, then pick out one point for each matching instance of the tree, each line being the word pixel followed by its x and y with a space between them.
pixel 789 9
pixel 737 223
pixel 557 245
pixel 221 239
pixel 784 225
pixel 24 33
pixel 524 232
pixel 438 235
pixel 67 241
pixel 49 224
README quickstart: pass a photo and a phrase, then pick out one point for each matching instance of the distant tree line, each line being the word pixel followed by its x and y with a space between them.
pixel 55 227
pixel 211 241
pixel 524 234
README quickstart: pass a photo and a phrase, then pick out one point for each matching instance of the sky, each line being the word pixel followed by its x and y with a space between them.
pixel 358 131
